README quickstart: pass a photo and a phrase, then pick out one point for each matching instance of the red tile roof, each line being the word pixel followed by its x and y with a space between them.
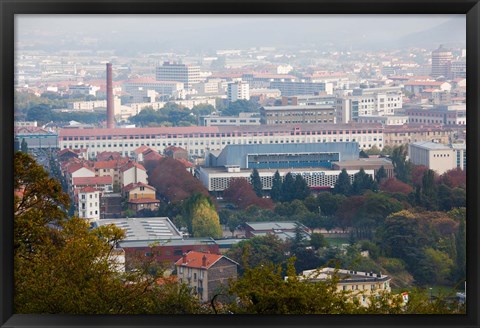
pixel 136 131
pixel 110 164
pixel 88 189
pixel 143 149
pixel 430 83
pixel 129 165
pixel 194 259
pixel 74 167
pixel 131 186
pixel 92 180
pixel 66 150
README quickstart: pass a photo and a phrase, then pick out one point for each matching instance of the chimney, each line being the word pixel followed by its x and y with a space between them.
pixel 184 258
pixel 204 261
pixel 110 109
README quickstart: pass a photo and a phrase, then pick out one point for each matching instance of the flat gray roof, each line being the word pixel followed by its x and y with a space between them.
pixel 172 242
pixel 144 229
pixel 430 145
pixel 279 225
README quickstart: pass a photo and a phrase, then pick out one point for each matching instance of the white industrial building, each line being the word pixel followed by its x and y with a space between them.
pixel 438 157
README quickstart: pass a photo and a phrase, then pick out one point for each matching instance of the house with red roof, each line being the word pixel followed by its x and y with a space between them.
pixel 205 273
pixel 133 172
pixel 66 154
pixel 141 151
pixel 110 168
pixel 105 183
pixel 138 190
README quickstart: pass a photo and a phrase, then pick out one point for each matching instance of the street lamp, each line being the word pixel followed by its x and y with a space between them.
pixel 431 297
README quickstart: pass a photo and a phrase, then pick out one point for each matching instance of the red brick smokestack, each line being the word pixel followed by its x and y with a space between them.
pixel 110 111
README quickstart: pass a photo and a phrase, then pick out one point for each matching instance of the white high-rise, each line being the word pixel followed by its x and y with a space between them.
pixel 187 74
pixel 238 90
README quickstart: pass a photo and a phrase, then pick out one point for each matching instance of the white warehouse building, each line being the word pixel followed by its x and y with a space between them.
pixel 438 157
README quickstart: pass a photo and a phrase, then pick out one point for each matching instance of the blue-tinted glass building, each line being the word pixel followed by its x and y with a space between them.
pixel 278 156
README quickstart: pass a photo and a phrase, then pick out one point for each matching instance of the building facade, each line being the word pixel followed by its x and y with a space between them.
pixel 218 179
pixel 317 114
pixel 361 286
pixel 441 61
pixel 238 91
pixel 351 105
pixel 198 140
pixel 438 157
pixel 205 273
pixel 187 74
pixel 89 203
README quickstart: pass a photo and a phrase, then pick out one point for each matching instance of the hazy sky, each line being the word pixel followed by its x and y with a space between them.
pixel 218 31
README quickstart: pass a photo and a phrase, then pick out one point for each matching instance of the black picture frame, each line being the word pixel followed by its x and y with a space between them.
pixel 9 8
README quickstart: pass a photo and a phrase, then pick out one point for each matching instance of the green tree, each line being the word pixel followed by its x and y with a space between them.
pixel 288 188
pixel 301 188
pixel 203 217
pixel 276 191
pixel 343 184
pixel 240 106
pixel 363 182
pixel 317 240
pixel 381 175
pixel 402 167
pixel 256 183
pixel 460 244
pixel 64 266
pixel 429 190
pixel 258 251
pixel 24 146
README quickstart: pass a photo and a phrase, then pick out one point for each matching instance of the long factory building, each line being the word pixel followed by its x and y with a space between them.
pixel 199 140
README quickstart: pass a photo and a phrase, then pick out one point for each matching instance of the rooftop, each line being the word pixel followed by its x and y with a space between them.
pixel 144 229
pixel 430 145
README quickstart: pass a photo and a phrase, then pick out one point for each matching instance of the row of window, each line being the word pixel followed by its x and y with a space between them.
pixel 216 135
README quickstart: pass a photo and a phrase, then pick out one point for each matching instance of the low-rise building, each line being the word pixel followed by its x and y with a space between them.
pixel 138 190
pixel 318 114
pixel 438 157
pixel 205 273
pixel 359 285
pixel 88 203
pixel 367 164
pixel 282 229
pixel 408 133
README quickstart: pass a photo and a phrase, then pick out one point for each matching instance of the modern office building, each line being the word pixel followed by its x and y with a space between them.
pixel 238 91
pixel 438 157
pixel 309 100
pixel 276 156
pixel 318 114
pixel 187 74
pixel 217 179
pixel 353 104
pixel 293 88
pixel 441 61
pixel 313 162
pixel 198 140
